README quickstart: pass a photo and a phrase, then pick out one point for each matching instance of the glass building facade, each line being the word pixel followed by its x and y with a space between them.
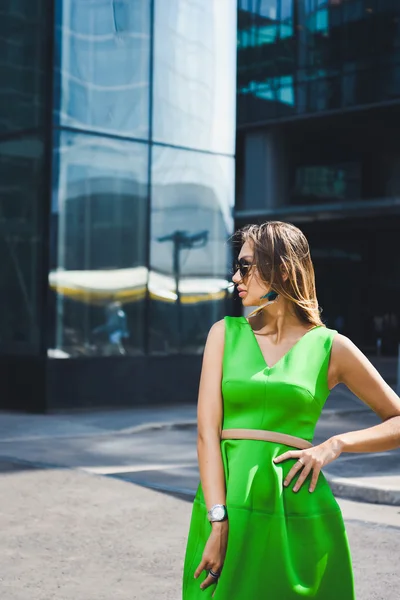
pixel 308 56
pixel 117 143
pixel 318 101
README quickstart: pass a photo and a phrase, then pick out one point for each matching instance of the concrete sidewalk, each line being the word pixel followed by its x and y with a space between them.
pixel 69 535
pixel 153 441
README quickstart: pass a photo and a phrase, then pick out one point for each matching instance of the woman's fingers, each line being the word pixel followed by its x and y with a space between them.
pixel 209 580
pixel 293 471
pixel 200 568
pixel 314 478
pixel 302 477
pixel 286 455
pixel 304 465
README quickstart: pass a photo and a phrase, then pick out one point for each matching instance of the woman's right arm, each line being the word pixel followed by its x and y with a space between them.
pixel 209 422
pixel 209 418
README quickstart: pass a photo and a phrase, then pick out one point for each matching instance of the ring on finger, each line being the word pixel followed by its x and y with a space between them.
pixel 301 461
pixel 214 574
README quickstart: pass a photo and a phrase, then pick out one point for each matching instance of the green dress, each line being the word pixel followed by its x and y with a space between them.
pixel 282 545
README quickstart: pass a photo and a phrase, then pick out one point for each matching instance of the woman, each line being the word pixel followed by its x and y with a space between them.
pixel 264 521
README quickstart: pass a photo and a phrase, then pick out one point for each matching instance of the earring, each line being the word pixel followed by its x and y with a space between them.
pixel 271 297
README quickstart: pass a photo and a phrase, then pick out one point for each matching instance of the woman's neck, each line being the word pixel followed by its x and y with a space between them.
pixel 278 320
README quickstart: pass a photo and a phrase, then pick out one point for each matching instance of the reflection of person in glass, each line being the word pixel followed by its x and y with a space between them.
pixel 264 520
pixel 115 327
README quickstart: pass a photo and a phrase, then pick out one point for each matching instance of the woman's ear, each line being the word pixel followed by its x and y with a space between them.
pixel 284 273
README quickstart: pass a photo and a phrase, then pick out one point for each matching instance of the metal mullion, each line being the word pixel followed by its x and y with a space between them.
pixel 45 208
pixel 146 329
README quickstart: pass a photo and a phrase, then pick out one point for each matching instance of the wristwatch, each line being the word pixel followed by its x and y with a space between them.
pixel 218 512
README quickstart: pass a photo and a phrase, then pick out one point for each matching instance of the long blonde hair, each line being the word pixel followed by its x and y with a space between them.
pixel 282 248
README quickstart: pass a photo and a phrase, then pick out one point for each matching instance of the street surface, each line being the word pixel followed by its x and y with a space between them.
pixel 96 506
pixel 70 535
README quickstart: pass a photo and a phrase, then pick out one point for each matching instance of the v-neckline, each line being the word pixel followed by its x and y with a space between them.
pixel 267 366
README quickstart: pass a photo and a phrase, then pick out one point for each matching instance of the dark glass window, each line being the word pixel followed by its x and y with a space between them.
pixel 324 183
pixel 21 215
pixel 99 240
pixel 311 56
pixel 191 219
pixel 102 66
pixel 24 39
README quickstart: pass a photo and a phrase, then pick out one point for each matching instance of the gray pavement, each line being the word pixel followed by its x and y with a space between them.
pixel 97 505
pixel 67 535
pixel 156 446
pixel 70 535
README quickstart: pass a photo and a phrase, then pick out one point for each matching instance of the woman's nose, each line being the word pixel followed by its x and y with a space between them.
pixel 236 277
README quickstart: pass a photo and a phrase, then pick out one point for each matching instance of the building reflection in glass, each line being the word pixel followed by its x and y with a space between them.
pixel 102 272
pixel 102 78
pixel 191 219
pixel 194 83
pixel 99 273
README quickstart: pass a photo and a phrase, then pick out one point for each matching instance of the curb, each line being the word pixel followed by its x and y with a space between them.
pixel 105 432
pixel 326 413
pixel 157 426
pixel 362 493
pixel 192 423
pixel 340 488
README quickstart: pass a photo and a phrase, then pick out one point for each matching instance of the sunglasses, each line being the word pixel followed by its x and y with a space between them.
pixel 243 266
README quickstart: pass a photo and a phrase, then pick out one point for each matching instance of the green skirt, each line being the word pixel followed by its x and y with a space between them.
pixel 282 545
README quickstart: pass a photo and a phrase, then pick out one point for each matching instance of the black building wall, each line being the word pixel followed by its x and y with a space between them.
pixel 317 145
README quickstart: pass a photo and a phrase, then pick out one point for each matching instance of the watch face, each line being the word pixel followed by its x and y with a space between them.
pixel 218 513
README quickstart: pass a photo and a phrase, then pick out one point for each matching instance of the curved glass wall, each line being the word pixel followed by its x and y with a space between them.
pixel 194 74
pixel 191 219
pixel 102 66
pixel 99 274
pixel 143 175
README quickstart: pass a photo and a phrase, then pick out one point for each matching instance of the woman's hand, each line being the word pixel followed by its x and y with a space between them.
pixel 312 459
pixel 214 552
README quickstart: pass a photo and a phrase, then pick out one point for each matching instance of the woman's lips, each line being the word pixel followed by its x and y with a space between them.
pixel 242 293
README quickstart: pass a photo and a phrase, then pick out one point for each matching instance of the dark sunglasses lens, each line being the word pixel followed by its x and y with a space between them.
pixel 242 267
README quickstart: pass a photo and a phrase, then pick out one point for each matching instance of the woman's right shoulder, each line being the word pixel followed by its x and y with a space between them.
pixel 219 327
pixel 216 338
pixel 217 330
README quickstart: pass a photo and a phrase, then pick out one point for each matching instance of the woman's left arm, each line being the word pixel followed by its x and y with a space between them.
pixel 350 366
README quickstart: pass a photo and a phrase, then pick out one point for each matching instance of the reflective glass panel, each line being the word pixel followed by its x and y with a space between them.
pixel 21 199
pixel 195 74
pixel 102 65
pixel 23 50
pixel 313 56
pixel 191 219
pixel 98 277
